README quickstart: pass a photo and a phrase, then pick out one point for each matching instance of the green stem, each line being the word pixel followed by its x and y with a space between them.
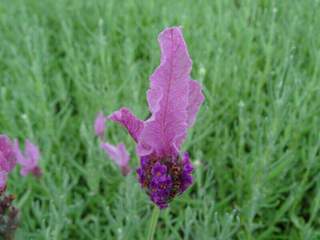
pixel 153 223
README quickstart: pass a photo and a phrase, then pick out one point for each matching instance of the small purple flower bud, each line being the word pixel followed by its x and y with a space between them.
pixel 187 166
pixel 144 162
pixel 125 170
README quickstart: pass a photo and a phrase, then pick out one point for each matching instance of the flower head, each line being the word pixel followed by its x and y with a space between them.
pixel 174 100
pixel 29 159
pixel 9 155
pixel 7 159
pixel 119 155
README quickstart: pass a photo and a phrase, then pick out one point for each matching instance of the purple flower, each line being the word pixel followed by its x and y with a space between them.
pixel 174 100
pixel 3 180
pixel 159 170
pixel 29 159
pixel 99 125
pixel 119 155
pixel 186 178
pixel 9 155
pixel 161 188
pixel 7 159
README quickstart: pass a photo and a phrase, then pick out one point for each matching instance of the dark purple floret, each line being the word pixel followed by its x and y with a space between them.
pixel 165 178
pixel 159 170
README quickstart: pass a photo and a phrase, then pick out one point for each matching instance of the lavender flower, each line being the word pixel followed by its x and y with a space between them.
pixel 99 125
pixel 9 156
pixel 29 160
pixel 7 159
pixel 174 100
pixel 119 155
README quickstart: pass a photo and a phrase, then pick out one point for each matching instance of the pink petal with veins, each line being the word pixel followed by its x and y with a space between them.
pixel 195 100
pixel 7 155
pixel 124 117
pixel 119 155
pixel 99 124
pixel 29 160
pixel 3 180
pixel 168 97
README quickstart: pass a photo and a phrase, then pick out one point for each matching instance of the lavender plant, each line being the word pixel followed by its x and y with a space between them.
pixel 10 155
pixel 174 100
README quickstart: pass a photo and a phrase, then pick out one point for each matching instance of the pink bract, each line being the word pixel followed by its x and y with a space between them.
pixel 119 155
pixel 99 125
pixel 29 159
pixel 173 98
pixel 7 159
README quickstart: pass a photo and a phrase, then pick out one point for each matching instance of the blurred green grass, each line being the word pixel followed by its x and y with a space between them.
pixel 256 141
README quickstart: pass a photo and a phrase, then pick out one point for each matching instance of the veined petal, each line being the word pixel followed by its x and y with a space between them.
pixel 124 117
pixel 119 155
pixel 3 179
pixel 195 100
pixel 18 153
pixel 167 97
pixel 7 154
pixel 99 124
pixel 32 152
pixel 29 160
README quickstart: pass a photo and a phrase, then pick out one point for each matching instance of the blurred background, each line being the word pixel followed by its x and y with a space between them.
pixel 255 144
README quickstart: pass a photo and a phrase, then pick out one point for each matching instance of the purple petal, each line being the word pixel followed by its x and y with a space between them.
pixel 119 155
pixel 32 152
pixel 141 177
pixel 36 171
pixel 186 182
pixel 144 161
pixel 19 156
pixel 125 170
pixel 7 154
pixel 99 125
pixel 124 117
pixel 187 165
pixel 3 179
pixel 159 170
pixel 29 160
pixel 167 97
pixel 195 100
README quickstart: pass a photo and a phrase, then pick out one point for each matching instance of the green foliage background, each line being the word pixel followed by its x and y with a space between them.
pixel 256 143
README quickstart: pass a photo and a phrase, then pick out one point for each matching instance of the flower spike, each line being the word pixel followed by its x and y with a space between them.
pixel 174 100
